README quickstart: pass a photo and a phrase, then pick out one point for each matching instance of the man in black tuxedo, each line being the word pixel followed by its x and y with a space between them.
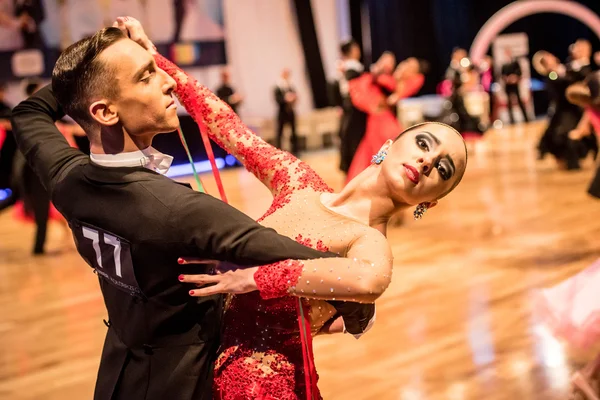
pixel 285 96
pixel 511 75
pixel 131 224
pixel 354 121
pixel 31 12
pixel 579 63
pixel 226 92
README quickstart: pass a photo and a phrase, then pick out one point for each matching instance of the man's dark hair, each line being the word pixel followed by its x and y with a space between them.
pixel 346 47
pixel 79 75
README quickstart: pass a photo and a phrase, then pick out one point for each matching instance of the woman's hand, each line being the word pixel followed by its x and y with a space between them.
pixel 228 279
pixel 134 30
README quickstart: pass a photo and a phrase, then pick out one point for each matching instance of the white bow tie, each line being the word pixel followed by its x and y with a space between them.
pixel 157 162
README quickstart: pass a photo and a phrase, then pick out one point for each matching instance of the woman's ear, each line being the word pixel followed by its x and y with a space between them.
pixel 432 204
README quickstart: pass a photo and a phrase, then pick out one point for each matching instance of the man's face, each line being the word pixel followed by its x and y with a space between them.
pixel 145 104
pixel 582 49
pixel 225 77
pixel 459 54
pixel 355 52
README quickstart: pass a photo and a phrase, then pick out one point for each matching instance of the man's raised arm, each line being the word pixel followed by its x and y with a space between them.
pixel 38 138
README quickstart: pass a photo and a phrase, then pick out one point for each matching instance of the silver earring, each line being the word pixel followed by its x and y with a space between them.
pixel 379 157
pixel 420 210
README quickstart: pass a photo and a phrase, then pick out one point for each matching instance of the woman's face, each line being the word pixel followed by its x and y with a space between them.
pixel 407 68
pixel 424 163
pixel 386 63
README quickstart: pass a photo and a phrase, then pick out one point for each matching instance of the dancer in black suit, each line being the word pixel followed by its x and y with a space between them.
pixel 286 97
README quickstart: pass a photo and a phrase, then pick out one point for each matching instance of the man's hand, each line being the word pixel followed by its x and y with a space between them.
pixel 235 98
pixel 228 279
pixel 334 326
pixel 290 97
pixel 132 28
pixel 576 134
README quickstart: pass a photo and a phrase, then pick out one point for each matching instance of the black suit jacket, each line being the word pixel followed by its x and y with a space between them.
pixel 512 68
pixel 334 94
pixel 353 126
pixel 224 92
pixel 285 110
pixel 578 74
pixel 131 225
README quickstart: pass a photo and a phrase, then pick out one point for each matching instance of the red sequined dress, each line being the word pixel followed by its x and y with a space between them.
pixel 262 354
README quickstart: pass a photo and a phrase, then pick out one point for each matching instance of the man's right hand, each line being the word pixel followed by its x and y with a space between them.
pixel 576 134
pixel 134 30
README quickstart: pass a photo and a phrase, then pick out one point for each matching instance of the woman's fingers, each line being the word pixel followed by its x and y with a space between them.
pixel 196 260
pixel 208 291
pixel 200 279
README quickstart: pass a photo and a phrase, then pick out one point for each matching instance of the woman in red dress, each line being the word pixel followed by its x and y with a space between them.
pixel 377 93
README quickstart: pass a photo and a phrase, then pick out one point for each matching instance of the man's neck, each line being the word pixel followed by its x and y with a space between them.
pixel 109 144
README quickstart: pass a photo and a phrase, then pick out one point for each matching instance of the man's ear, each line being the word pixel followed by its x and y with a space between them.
pixel 104 113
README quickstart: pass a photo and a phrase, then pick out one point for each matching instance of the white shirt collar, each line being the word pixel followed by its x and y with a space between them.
pixel 354 65
pixel 283 84
pixel 148 158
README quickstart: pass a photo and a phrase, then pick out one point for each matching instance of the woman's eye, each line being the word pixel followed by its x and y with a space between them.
pixel 422 144
pixel 443 172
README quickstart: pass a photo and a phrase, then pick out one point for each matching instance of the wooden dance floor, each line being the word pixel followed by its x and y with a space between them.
pixel 456 323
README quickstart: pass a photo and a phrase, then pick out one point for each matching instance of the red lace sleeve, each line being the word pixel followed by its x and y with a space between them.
pixel 361 277
pixel 280 171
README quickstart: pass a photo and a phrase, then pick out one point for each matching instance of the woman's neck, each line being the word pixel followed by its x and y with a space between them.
pixel 366 199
